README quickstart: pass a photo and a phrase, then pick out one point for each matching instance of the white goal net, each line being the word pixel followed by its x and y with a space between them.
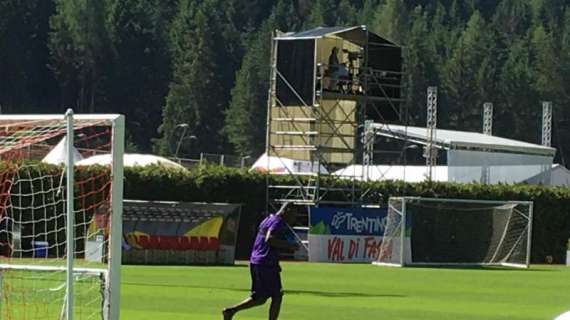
pixel 42 178
pixel 430 231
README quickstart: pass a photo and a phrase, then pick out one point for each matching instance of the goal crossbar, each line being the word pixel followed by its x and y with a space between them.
pixel 451 200
pixel 35 117
pixel 418 229
pixel 27 137
pixel 27 267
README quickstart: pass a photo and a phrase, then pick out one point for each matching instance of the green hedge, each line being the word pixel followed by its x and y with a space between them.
pixel 40 201
pixel 551 225
pixel 206 184
pixel 551 228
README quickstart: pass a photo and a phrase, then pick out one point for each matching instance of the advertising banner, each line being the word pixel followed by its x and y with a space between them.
pixel 179 233
pixel 345 234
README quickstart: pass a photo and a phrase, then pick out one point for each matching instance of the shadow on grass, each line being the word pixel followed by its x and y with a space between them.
pixel 287 292
pixel 189 266
pixel 482 268
pixel 171 285
pixel 342 294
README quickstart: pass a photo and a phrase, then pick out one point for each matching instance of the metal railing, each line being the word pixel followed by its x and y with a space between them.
pixel 232 161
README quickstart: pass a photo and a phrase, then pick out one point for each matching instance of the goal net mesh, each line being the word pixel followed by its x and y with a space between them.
pixel 33 218
pixel 448 232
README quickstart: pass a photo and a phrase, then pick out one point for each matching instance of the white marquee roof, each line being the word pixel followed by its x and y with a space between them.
pixel 451 139
pixel 58 154
pixel 388 172
pixel 131 160
pixel 281 165
pixel 559 175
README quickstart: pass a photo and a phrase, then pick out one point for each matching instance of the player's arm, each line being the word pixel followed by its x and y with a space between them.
pixel 278 243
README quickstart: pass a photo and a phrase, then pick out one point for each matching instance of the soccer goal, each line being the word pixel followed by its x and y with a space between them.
pixel 60 219
pixel 430 231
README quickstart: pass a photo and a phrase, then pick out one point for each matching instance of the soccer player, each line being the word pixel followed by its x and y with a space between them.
pixel 264 263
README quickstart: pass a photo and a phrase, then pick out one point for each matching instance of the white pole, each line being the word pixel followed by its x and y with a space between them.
pixel 403 234
pixel 529 235
pixel 115 245
pixel 70 214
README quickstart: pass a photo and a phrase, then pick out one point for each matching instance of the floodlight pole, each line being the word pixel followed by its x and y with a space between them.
pixel 431 124
pixel 487 130
pixel 185 126
pixel 547 136
pixel 368 140
pixel 547 123
pixel 243 161
pixel 488 118
pixel 70 215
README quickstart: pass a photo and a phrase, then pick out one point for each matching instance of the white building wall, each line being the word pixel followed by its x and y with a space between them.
pixel 559 176
pixel 472 166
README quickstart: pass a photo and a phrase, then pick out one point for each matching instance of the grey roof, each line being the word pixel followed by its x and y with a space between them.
pixel 451 139
pixel 354 33
pixel 315 33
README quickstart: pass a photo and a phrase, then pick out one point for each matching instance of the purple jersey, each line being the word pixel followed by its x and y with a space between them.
pixel 262 253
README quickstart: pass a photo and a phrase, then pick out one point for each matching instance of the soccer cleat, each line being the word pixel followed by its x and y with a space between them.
pixel 228 314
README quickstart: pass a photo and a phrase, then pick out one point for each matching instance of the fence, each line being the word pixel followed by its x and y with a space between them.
pixel 232 161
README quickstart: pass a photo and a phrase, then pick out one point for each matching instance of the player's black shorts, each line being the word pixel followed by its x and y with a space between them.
pixel 265 281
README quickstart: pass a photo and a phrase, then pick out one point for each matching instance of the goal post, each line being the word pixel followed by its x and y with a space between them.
pixel 42 178
pixel 461 232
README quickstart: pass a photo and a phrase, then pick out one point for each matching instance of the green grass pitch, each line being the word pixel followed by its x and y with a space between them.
pixel 355 292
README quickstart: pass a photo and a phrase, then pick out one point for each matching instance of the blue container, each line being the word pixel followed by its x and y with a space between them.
pixel 40 249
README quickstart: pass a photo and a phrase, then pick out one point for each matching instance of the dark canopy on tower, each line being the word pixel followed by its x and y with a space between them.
pixel 297 59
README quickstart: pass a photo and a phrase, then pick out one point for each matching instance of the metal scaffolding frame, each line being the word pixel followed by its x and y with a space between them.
pixel 431 123
pixel 326 130
pixel 488 118
pixel 547 123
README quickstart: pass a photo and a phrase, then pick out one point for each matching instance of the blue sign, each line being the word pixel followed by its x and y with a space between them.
pixel 347 221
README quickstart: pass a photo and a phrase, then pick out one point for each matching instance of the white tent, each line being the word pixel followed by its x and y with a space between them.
pixel 463 140
pixel 558 176
pixel 280 165
pixel 387 172
pixel 131 160
pixel 473 156
pixel 58 156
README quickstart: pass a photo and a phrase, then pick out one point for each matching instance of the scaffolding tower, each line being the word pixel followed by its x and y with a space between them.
pixel 325 84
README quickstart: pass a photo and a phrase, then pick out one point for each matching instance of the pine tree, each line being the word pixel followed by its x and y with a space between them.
pixel 518 105
pixel 323 14
pixel 470 75
pixel 205 55
pixel 346 14
pixel 26 84
pixel 245 120
pixel 139 74
pixel 79 46
pixel 561 128
pixel 392 20
pixel 285 16
pixel 512 19
pixel 547 81
pixel 251 13
pixel 564 68
pixel 419 64
pixel 367 13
